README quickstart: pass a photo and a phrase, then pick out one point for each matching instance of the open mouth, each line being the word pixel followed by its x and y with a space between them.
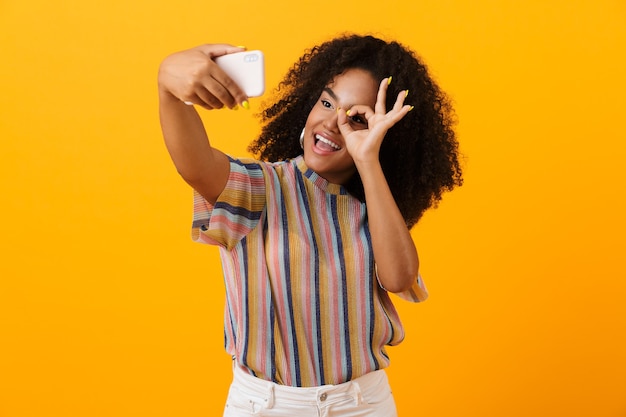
pixel 326 144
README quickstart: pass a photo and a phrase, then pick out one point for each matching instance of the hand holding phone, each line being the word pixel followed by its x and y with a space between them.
pixel 247 69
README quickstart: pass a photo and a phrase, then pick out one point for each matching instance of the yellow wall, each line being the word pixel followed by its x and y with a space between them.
pixel 108 309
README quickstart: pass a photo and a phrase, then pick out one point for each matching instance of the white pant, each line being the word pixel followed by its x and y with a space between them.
pixel 368 395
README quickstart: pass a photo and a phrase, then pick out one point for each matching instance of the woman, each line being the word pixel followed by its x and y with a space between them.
pixel 313 241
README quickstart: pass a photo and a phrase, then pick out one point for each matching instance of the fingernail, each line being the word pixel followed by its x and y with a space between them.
pixel 348 112
pixel 235 108
pixel 389 80
pixel 241 46
pixel 245 104
pixel 406 93
pixel 411 108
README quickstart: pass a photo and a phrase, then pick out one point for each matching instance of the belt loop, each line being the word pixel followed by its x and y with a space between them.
pixel 270 397
pixel 356 392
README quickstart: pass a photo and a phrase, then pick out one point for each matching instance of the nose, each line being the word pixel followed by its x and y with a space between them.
pixel 330 123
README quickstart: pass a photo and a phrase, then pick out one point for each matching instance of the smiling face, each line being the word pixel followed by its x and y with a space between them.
pixel 324 146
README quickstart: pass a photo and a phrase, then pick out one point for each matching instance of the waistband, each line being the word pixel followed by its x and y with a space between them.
pixel 323 395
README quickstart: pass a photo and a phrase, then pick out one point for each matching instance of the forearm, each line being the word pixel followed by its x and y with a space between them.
pixel 394 250
pixel 200 165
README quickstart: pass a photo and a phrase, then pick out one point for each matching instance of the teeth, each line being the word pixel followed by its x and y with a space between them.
pixel 326 141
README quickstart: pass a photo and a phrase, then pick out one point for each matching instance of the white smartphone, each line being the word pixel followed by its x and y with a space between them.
pixel 247 69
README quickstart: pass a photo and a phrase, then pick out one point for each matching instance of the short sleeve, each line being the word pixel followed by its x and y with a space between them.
pixel 237 210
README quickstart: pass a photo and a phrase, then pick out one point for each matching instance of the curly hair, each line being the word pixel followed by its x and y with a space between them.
pixel 419 155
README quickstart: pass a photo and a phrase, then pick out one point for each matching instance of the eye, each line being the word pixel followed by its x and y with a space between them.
pixel 326 104
pixel 358 119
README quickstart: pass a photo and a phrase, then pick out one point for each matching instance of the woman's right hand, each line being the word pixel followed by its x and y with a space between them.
pixel 193 77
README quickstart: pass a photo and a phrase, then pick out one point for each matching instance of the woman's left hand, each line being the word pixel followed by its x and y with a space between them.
pixel 364 144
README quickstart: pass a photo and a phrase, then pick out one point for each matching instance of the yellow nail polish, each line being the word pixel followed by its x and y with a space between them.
pixel 411 108
pixel 245 104
pixel 242 47
pixel 235 108
pixel 406 93
pixel 389 80
pixel 349 112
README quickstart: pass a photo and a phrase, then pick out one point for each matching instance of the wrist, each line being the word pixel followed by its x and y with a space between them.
pixel 165 96
pixel 368 166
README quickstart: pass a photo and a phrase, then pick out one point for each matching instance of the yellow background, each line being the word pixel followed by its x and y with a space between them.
pixel 108 309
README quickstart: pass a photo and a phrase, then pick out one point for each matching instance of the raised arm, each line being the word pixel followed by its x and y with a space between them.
pixel 190 78
pixel 394 251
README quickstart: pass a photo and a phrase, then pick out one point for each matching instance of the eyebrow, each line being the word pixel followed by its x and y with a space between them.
pixel 330 93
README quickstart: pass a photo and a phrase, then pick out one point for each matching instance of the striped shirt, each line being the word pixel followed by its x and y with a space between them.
pixel 303 305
